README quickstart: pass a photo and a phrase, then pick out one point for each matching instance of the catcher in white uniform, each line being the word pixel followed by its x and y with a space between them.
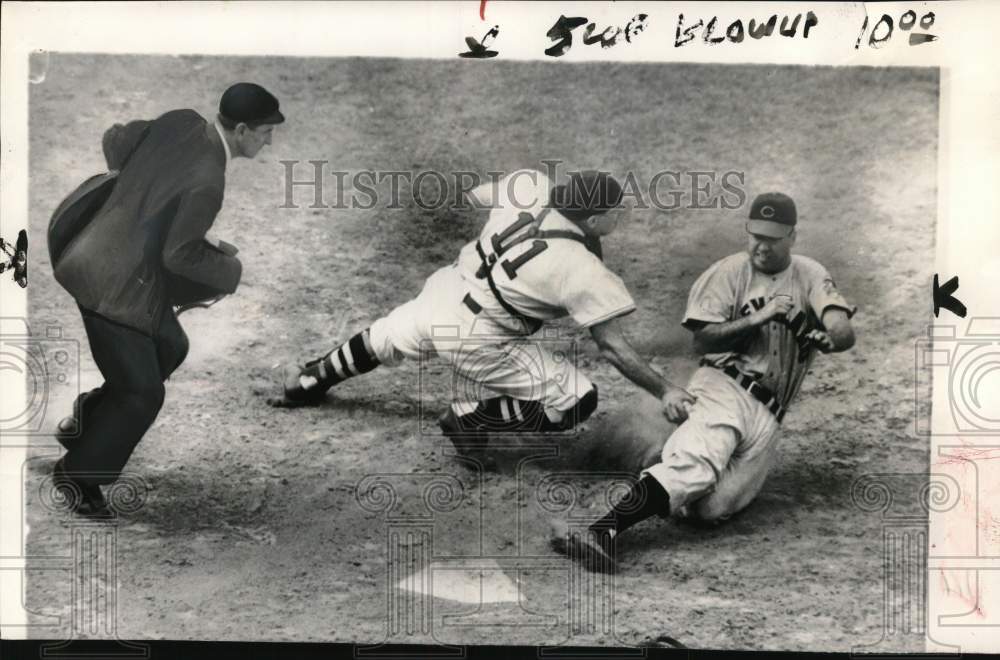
pixel 538 258
pixel 758 318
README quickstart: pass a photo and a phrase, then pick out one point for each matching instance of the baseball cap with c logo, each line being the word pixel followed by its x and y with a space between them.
pixel 772 214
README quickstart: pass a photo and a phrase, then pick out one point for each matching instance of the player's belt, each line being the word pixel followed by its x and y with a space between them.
pixel 755 389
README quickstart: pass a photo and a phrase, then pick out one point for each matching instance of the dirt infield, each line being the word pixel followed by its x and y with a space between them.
pixel 252 528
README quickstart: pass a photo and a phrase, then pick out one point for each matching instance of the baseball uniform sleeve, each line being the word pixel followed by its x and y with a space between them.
pixel 712 297
pixel 592 294
pixel 187 254
pixel 823 293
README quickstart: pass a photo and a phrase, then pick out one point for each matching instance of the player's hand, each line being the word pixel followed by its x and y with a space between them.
pixel 820 340
pixel 676 401
pixel 776 307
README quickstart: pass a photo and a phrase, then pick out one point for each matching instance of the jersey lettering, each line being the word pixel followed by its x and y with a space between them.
pixel 756 303
pixel 533 279
pixel 777 353
pixel 798 324
pixel 498 241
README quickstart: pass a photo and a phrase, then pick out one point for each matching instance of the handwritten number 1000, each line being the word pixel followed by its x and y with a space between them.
pixel 882 31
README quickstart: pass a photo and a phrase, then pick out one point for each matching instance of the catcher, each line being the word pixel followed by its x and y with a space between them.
pixel 758 318
pixel 538 258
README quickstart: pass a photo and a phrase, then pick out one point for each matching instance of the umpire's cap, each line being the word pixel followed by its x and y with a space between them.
pixel 250 104
pixel 588 193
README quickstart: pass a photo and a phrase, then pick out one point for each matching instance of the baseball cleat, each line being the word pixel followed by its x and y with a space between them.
pixel 300 389
pixel 469 445
pixel 475 455
pixel 593 549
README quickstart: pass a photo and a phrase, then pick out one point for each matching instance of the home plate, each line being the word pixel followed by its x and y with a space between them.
pixel 483 582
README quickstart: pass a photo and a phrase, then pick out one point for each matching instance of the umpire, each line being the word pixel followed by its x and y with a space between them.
pixel 142 253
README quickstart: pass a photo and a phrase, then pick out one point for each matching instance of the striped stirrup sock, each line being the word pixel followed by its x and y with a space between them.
pixel 353 358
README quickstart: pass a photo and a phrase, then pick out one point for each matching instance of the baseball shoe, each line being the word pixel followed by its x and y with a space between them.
pixel 593 549
pixel 470 445
pixel 299 389
pixel 83 499
pixel 67 430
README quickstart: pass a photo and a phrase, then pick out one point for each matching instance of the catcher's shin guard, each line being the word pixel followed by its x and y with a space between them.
pixel 504 414
pixel 470 432
pixel 310 383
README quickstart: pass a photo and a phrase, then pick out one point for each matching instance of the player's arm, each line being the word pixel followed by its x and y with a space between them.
pixel 731 335
pixel 834 313
pixel 838 334
pixel 616 349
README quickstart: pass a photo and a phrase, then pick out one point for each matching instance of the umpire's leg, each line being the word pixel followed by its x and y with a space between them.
pixel 131 398
pixel 171 349
pixel 171 344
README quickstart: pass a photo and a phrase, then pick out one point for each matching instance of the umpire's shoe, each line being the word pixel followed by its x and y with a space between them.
pixel 67 430
pixel 84 499
pixel 471 445
pixel 594 549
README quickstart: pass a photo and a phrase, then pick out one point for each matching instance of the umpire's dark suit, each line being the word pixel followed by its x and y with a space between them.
pixel 143 252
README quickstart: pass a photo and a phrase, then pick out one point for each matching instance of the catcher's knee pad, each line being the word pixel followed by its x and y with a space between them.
pixel 580 412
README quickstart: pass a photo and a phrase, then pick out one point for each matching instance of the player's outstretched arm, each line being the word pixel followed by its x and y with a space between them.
pixel 616 349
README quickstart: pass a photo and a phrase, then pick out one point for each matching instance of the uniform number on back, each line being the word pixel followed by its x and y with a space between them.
pixel 510 266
